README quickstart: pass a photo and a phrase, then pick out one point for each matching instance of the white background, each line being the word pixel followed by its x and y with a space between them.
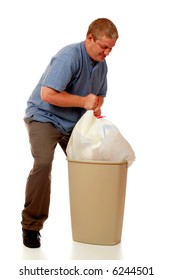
pixel 138 102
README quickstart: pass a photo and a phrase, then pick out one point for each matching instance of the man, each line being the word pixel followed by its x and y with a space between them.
pixel 74 81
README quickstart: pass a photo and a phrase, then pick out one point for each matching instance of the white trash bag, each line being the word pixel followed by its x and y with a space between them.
pixel 98 139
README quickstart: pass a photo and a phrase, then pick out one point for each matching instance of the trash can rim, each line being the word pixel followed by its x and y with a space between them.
pixel 97 162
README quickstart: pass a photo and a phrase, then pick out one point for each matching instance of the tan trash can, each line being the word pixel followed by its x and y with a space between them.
pixel 97 198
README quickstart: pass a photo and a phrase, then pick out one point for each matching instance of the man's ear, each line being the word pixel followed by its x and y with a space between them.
pixel 90 37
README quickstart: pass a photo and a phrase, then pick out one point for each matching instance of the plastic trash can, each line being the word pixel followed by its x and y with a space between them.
pixel 97 198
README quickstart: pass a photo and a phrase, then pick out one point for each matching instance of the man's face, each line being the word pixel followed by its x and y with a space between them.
pixel 98 49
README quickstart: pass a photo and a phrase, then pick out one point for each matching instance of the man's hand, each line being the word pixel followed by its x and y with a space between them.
pixel 91 101
pixel 97 111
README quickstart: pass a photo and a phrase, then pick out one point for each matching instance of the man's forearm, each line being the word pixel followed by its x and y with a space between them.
pixel 64 99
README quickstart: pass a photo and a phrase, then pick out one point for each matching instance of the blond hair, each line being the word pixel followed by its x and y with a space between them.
pixel 103 27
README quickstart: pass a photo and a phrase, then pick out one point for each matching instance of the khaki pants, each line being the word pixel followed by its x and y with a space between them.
pixel 43 138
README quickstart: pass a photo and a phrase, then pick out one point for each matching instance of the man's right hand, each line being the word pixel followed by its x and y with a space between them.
pixel 90 101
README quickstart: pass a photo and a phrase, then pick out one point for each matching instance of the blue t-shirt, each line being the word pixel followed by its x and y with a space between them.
pixel 71 70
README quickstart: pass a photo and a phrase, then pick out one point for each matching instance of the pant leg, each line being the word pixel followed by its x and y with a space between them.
pixel 63 142
pixel 43 139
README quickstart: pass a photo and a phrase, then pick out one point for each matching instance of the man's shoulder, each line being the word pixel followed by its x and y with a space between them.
pixel 71 48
